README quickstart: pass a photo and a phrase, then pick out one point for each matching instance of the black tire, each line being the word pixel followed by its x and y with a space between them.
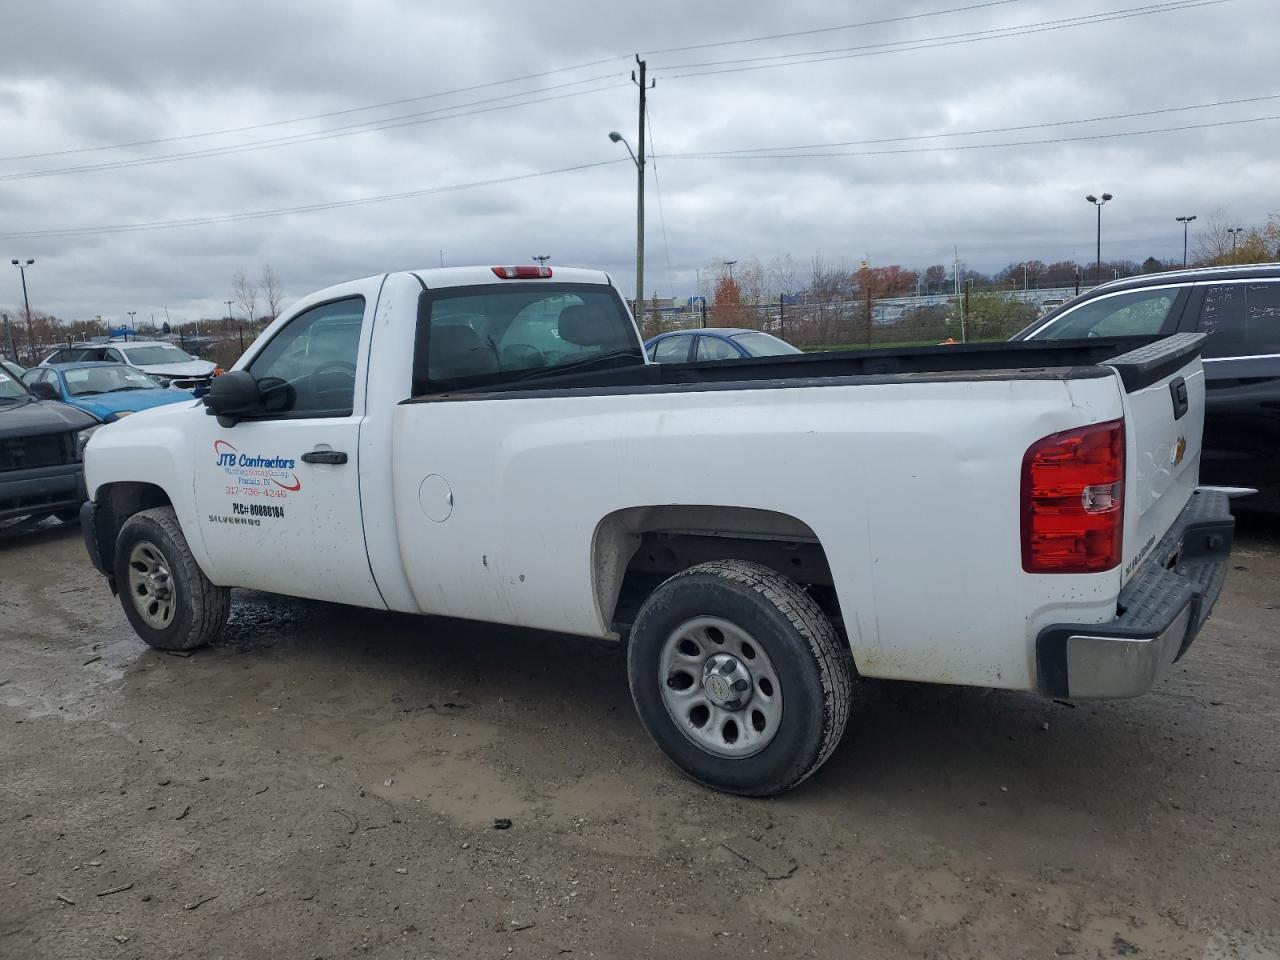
pixel 199 609
pixel 813 666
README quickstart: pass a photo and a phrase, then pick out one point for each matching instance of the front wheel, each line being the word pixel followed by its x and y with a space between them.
pixel 739 677
pixel 169 601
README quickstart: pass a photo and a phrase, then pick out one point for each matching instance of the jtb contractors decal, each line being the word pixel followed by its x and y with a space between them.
pixel 252 475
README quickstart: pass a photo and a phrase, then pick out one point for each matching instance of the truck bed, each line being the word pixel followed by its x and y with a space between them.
pixel 1139 360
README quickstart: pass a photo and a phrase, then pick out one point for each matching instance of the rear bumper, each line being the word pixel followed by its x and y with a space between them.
pixel 41 490
pixel 1161 611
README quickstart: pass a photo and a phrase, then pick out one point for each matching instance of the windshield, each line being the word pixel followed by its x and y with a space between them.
pixel 763 345
pixel 162 354
pixel 11 389
pixel 84 381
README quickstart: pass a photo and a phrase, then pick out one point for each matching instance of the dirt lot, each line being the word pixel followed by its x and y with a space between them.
pixel 324 783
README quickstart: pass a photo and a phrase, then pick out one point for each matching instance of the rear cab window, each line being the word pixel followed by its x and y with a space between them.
pixel 1242 319
pixel 501 334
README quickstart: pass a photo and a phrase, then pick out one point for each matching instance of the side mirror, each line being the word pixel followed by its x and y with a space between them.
pixel 232 396
pixel 44 390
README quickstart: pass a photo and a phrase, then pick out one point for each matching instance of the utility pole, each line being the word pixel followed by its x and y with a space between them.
pixel 640 139
pixel 782 316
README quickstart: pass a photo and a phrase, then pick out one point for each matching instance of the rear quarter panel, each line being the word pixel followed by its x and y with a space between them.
pixel 911 486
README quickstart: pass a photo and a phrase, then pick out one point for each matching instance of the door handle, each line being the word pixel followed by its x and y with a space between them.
pixel 334 457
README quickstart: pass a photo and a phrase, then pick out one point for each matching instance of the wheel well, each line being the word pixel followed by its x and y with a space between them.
pixel 638 548
pixel 117 502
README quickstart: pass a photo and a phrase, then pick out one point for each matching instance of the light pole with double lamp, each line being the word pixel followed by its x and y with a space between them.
pixel 1098 202
pixel 26 304
pixel 1186 223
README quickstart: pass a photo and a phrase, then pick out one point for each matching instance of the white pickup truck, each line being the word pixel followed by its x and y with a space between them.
pixel 491 444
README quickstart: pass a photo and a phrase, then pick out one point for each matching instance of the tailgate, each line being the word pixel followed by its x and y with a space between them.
pixel 1164 416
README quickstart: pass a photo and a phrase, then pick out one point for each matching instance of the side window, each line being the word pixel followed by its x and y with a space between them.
pixel 1242 319
pixel 114 356
pixel 711 348
pixel 1140 312
pixel 672 350
pixel 58 356
pixel 309 368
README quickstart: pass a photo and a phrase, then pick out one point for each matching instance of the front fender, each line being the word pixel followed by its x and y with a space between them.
pixel 153 451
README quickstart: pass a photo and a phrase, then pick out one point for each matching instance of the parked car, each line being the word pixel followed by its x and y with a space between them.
pixel 109 391
pixel 166 363
pixel 717 343
pixel 765 530
pixel 41 448
pixel 1239 308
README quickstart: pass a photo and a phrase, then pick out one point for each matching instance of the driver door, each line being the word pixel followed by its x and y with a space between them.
pixel 278 493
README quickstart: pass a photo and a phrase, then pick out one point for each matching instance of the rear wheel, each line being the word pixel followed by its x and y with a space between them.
pixel 169 601
pixel 739 677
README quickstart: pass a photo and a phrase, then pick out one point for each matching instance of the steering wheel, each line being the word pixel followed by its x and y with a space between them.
pixel 333 382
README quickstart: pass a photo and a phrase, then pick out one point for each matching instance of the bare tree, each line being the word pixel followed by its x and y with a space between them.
pixel 272 291
pixel 1212 241
pixel 784 273
pixel 246 295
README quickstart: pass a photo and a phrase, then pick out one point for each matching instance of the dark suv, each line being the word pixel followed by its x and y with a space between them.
pixel 1239 307
pixel 41 453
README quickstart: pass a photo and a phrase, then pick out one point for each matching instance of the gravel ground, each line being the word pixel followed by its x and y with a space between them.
pixel 324 782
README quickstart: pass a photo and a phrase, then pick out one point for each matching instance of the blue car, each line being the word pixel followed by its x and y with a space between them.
pixel 719 343
pixel 109 391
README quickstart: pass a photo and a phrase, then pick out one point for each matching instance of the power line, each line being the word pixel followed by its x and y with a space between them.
pixel 315 116
pixel 748 64
pixel 154 141
pixel 846 26
pixel 388 123
pixel 970 146
pixel 306 208
pixel 731 154
pixel 662 217
pixel 983 34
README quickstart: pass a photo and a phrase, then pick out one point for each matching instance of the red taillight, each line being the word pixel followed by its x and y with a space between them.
pixel 521 273
pixel 1072 500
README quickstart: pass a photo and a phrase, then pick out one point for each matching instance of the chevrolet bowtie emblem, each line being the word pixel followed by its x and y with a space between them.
pixel 1179 450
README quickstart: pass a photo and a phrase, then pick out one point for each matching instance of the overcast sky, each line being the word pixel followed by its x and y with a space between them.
pixel 76 75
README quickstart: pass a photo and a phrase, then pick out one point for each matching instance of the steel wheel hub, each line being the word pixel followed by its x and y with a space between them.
pixel 720 687
pixel 150 585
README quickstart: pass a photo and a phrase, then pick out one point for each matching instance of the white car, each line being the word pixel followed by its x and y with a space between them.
pixel 492 444
pixel 170 365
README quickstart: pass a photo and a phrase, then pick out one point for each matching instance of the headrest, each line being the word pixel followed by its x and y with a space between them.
pixel 585 326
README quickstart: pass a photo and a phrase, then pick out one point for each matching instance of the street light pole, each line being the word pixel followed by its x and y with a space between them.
pixel 1098 202
pixel 542 258
pixel 26 303
pixel 1186 223
pixel 729 264
pixel 1233 231
pixel 133 322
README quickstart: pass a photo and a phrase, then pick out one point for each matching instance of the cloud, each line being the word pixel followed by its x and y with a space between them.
pixel 85 75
